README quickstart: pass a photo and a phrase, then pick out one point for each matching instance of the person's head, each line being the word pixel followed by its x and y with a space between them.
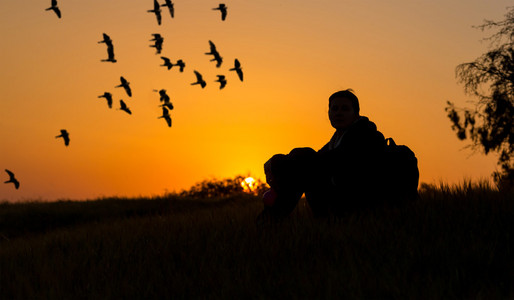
pixel 343 109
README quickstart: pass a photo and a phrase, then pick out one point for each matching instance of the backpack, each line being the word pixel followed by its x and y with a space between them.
pixel 401 173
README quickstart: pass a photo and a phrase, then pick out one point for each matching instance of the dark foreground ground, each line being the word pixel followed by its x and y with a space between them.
pixel 455 242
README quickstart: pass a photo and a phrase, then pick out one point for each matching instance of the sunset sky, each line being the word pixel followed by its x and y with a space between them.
pixel 398 56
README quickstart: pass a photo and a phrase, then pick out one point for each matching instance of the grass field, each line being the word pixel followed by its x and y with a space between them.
pixel 454 242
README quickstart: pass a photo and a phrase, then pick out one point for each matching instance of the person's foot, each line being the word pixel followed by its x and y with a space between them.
pixel 269 197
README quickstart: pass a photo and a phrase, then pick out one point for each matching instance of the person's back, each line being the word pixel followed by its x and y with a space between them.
pixel 354 166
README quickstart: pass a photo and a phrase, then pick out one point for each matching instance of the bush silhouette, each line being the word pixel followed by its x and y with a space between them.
pixel 224 188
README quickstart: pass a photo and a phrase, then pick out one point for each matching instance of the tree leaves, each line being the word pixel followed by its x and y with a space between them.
pixel 490 78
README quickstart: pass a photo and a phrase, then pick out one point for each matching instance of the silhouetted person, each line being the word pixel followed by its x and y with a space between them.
pixel 55 8
pixel 158 40
pixel 181 64
pixel 124 107
pixel 221 79
pixel 157 11
pixel 108 97
pixel 199 80
pixel 166 116
pixel 12 179
pixel 65 136
pixel 223 9
pixel 238 69
pixel 340 178
pixel 170 6
pixel 167 62
pixel 126 85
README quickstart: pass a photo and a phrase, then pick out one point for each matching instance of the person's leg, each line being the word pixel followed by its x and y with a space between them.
pixel 287 176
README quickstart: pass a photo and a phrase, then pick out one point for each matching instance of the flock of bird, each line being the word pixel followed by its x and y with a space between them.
pixel 156 9
pixel 158 40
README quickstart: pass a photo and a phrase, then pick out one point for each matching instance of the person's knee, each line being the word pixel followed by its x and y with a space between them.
pixel 302 152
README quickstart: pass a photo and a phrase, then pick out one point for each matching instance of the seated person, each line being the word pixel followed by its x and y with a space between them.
pixel 340 178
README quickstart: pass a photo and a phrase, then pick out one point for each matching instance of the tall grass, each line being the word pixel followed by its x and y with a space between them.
pixel 454 242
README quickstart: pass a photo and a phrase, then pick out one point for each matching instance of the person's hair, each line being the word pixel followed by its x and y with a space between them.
pixel 348 94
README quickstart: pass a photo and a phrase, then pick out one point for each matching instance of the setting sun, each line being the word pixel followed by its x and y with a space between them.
pixel 248 184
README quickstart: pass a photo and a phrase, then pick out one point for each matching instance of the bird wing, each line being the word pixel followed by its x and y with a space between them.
pixel 11 174
pixel 240 74
pixel 57 11
pixel 213 47
pixel 198 76
pixel 110 52
pixel 223 14
pixel 123 105
pixel 54 2
pixel 218 59
pixel 237 64
pixel 166 60
pixel 123 80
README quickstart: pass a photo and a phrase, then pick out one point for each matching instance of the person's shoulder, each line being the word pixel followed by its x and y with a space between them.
pixel 367 129
pixel 364 123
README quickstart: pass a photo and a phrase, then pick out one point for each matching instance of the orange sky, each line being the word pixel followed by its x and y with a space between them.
pixel 398 56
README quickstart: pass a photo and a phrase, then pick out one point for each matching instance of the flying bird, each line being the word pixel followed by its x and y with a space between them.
pixel 158 39
pixel 165 98
pixel 238 69
pixel 215 53
pixel 126 85
pixel 212 49
pixel 181 64
pixel 110 54
pixel 65 136
pixel 55 8
pixel 110 48
pixel 166 116
pixel 170 6
pixel 199 80
pixel 221 79
pixel 218 59
pixel 157 11
pixel 106 39
pixel 12 179
pixel 108 97
pixel 167 62
pixel 223 9
pixel 124 107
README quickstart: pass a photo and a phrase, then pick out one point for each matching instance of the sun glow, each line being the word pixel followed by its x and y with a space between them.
pixel 248 184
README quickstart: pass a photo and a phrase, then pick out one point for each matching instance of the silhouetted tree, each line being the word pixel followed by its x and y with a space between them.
pixel 490 78
pixel 223 188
